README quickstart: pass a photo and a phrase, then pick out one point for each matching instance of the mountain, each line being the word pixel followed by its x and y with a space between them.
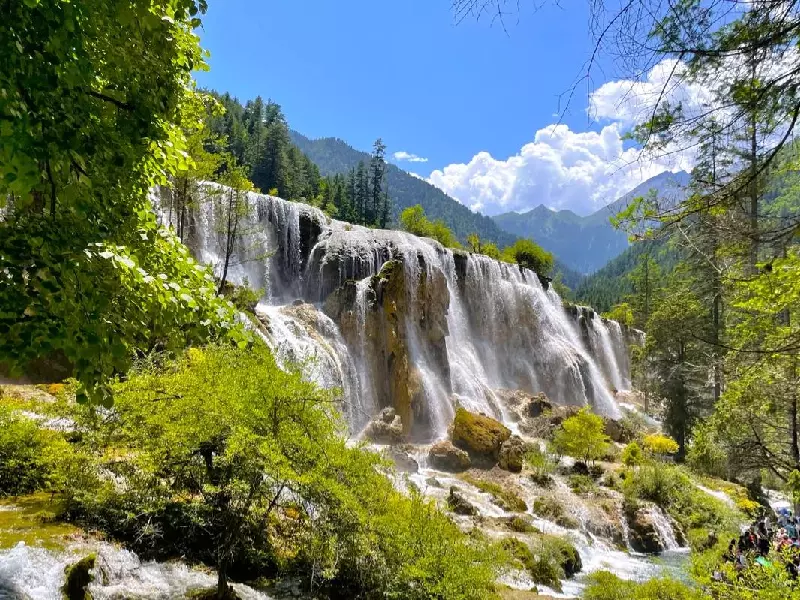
pixel 610 285
pixel 586 243
pixel 332 155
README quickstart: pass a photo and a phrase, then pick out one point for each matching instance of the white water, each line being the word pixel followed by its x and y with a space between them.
pixel 500 327
pixel 33 573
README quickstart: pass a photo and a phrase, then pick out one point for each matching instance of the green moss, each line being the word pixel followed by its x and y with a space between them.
pixel 547 560
pixel 77 577
pixel 582 485
pixel 521 525
pixel 503 497
pixel 33 520
pixel 549 508
pixel 479 433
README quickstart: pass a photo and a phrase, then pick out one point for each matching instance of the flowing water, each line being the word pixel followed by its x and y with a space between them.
pixel 471 324
pixel 461 327
pixel 32 573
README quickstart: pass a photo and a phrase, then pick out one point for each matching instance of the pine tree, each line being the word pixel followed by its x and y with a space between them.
pixel 378 174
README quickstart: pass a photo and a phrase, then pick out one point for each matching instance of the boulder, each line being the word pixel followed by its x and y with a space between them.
pixel 386 429
pixel 616 431
pixel 403 461
pixel 559 414
pixel 479 434
pixel 446 457
pixel 460 505
pixel 512 453
pixel 77 578
pixel 523 404
pixel 643 533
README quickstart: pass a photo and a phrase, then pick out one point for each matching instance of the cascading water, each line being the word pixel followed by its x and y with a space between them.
pixel 450 328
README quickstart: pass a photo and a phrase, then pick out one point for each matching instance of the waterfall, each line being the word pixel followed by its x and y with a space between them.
pixel 445 328
pixel 663 524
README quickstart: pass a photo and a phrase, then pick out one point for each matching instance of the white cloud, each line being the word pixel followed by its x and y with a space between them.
pixel 408 157
pixel 580 171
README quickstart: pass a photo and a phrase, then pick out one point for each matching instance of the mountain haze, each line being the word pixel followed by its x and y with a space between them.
pixel 586 243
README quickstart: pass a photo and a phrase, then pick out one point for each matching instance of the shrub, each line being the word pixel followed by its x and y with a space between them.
pixel 30 457
pixel 413 220
pixel 582 436
pixel 547 560
pixel 632 455
pixel 583 485
pixel 504 497
pixel 550 508
pixel 541 465
pixel 622 313
pixel 705 454
pixel 660 444
pixel 521 525
pixel 530 255
pixel 228 460
pixel 603 585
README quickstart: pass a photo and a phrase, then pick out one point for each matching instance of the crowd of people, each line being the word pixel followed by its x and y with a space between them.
pixel 767 539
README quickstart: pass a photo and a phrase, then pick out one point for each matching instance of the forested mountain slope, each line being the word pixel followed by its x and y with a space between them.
pixel 332 156
pixel 586 243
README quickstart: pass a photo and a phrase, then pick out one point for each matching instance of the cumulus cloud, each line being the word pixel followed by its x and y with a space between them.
pixel 580 171
pixel 408 157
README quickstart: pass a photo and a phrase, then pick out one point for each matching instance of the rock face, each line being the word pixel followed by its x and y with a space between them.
pixel 478 434
pixel 512 453
pixel 460 505
pixel 403 461
pixel 386 429
pixel 446 457
pixel 392 308
pixel 616 431
pixel 644 535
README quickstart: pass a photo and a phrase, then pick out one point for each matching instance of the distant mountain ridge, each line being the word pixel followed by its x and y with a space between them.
pixel 332 155
pixel 586 243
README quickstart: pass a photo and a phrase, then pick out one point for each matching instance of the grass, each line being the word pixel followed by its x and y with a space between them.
pixel 502 497
pixel 33 520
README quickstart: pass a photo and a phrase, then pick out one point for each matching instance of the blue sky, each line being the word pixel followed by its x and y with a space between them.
pixel 404 70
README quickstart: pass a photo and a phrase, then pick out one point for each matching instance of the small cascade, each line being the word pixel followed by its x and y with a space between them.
pixel 37 574
pixel 663 525
pixel 397 320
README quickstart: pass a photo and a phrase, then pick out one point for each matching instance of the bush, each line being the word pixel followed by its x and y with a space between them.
pixel 541 465
pixel 547 560
pixel 705 454
pixel 413 220
pixel 530 255
pixel 223 458
pixel 671 489
pixel 30 457
pixel 552 509
pixel 603 585
pixel 504 497
pixel 583 485
pixel 622 313
pixel 582 436
pixel 632 455
pixel 660 444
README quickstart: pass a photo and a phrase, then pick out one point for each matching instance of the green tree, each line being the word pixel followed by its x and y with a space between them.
pixel 530 255
pixel 582 436
pixel 85 132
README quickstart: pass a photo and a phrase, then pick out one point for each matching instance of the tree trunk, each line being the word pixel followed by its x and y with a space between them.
pixel 222 580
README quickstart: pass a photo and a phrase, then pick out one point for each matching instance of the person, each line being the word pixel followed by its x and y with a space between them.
pixel 763 545
pixel 792 566
pixel 741 561
pixel 730 554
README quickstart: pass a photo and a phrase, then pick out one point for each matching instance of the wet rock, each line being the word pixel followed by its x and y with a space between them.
pixel 446 457
pixel 433 482
pixel 616 431
pixel 512 453
pixel 386 429
pixel 643 533
pixel 479 434
pixel 559 414
pixel 460 505
pixel 77 578
pixel 403 461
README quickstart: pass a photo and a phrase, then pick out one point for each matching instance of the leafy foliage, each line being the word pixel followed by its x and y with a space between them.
pixel 95 114
pixel 29 456
pixel 660 444
pixel 229 460
pixel 529 255
pixel 414 221
pixel 582 436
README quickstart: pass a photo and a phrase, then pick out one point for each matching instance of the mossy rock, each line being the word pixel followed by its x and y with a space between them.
pixel 549 508
pixel 503 496
pixel 77 578
pixel 211 594
pixel 479 434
